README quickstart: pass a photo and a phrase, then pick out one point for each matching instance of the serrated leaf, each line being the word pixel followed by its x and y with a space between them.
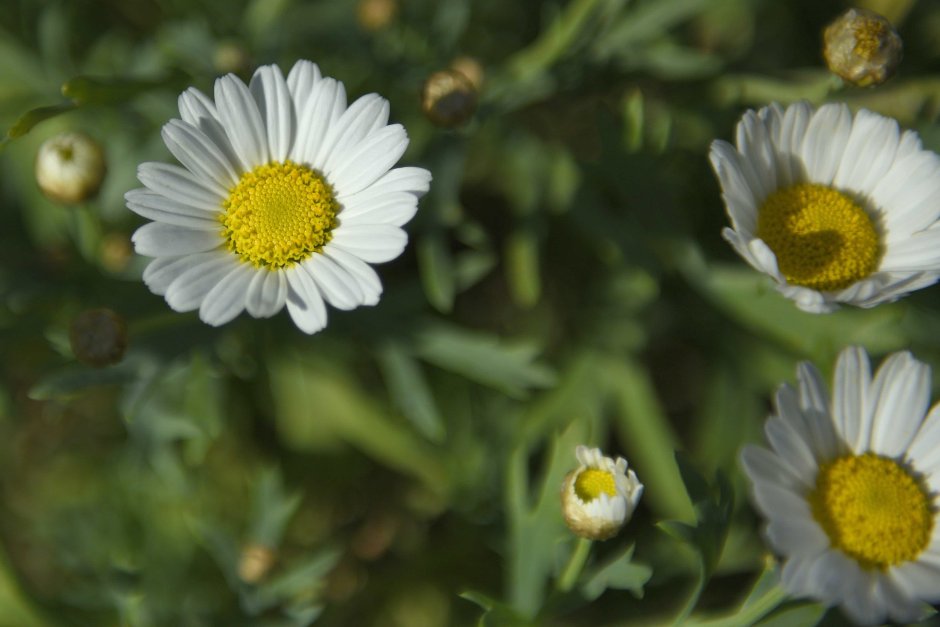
pixel 619 573
pixel 509 366
pixel 410 391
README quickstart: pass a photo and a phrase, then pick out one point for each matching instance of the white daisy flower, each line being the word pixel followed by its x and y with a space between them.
pixel 849 487
pixel 836 207
pixel 599 497
pixel 285 195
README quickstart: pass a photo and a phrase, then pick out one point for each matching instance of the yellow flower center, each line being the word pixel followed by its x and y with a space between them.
pixel 873 510
pixel 279 214
pixel 822 238
pixel 591 483
pixel 870 36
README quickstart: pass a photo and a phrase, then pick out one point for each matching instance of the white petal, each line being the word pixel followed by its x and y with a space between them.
pixel 180 185
pixel 362 116
pixel 189 289
pixel 925 449
pixel 899 395
pixel 300 80
pixel 762 465
pixel 200 155
pixel 395 208
pixel 825 141
pixel 920 580
pixel 161 209
pixel 162 271
pixel 374 243
pixel 415 181
pixel 792 450
pixel 363 164
pixel 850 406
pixel 369 283
pixel 869 153
pixel 267 293
pixel 166 240
pixel 226 299
pixel 796 536
pixel 337 287
pixel 276 108
pixel 304 302
pixel 196 109
pixel 321 110
pixel 757 154
pixel 242 121
pixel 814 402
pixel 790 141
pixel 918 252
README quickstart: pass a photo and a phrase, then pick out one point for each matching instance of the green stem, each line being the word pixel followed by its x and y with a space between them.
pixel 569 576
pixel 692 601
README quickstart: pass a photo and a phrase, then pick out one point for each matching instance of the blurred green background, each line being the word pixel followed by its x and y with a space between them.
pixel 565 283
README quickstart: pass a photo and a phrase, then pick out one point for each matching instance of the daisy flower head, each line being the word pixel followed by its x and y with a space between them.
pixel 837 207
pixel 284 196
pixel 599 497
pixel 849 487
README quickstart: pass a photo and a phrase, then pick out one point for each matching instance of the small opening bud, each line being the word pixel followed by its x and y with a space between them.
pixel 862 48
pixel 449 98
pixel 70 167
pixel 374 15
pixel 98 337
pixel 255 562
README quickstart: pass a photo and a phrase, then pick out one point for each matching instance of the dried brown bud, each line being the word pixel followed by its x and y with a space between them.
pixel 862 47
pixel 98 337
pixel 374 15
pixel 471 68
pixel 449 98
pixel 255 562
pixel 70 167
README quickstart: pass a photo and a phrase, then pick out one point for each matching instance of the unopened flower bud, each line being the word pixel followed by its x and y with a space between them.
pixel 862 47
pixel 255 562
pixel 471 68
pixel 599 497
pixel 449 98
pixel 70 167
pixel 374 15
pixel 98 337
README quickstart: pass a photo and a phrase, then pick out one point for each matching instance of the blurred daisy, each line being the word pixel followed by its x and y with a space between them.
pixel 836 208
pixel 284 197
pixel 849 487
pixel 599 497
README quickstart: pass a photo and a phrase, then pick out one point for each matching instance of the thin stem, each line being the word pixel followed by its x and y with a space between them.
pixel 692 601
pixel 569 576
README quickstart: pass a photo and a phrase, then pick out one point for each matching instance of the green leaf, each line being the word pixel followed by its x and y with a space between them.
pixel 410 391
pixel 86 90
pixel 436 267
pixel 71 380
pixel 804 614
pixel 522 267
pixel 509 366
pixel 273 509
pixel 28 120
pixel 619 573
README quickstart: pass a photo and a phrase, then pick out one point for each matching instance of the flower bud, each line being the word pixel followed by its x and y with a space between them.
pixel 255 562
pixel 374 15
pixel 449 98
pixel 862 47
pixel 599 497
pixel 70 167
pixel 471 68
pixel 98 337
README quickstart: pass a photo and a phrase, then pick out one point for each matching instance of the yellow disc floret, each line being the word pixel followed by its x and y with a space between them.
pixel 592 482
pixel 279 214
pixel 822 239
pixel 873 509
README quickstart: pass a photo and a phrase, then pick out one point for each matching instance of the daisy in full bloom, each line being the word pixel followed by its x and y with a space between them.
pixel 849 487
pixel 836 207
pixel 599 497
pixel 284 197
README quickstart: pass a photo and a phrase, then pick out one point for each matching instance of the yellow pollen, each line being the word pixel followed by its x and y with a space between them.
pixel 870 35
pixel 873 510
pixel 279 214
pixel 591 483
pixel 822 239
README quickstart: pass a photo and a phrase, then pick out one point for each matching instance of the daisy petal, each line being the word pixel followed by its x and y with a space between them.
pixel 267 293
pixel 304 302
pixel 362 165
pixel 242 121
pixel 374 243
pixel 189 289
pixel 226 299
pixel 157 239
pixel 276 108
